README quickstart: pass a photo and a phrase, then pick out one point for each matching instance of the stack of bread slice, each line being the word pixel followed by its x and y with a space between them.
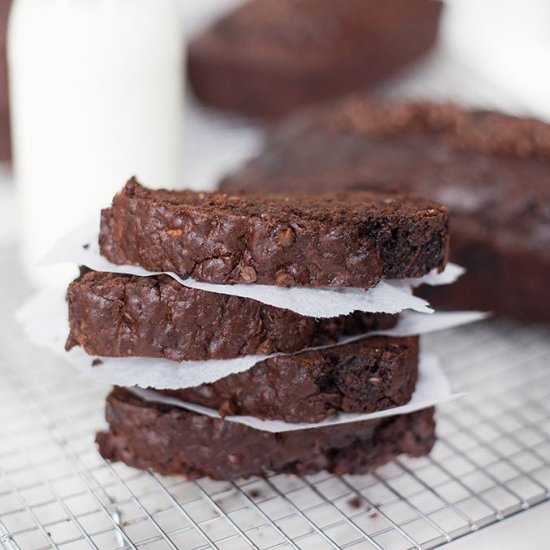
pixel 309 369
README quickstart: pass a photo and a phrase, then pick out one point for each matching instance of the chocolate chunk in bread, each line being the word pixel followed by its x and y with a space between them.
pixel 267 58
pixel 173 441
pixel 339 240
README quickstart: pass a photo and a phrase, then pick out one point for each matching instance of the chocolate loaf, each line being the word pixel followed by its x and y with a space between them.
pixel 116 315
pixel 270 57
pixel 367 375
pixel 173 441
pixel 490 169
pixel 338 240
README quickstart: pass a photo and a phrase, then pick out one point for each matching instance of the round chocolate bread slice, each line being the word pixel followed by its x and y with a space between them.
pixel 269 57
pixel 336 240
pixel 367 375
pixel 176 442
pixel 115 315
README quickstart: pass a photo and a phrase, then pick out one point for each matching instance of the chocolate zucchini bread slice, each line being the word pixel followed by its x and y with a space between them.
pixel 116 315
pixel 367 375
pixel 173 441
pixel 492 171
pixel 269 57
pixel 339 240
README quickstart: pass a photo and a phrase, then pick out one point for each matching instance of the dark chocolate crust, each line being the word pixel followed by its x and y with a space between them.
pixel 367 375
pixel 116 315
pixel 491 170
pixel 338 240
pixel 173 441
pixel 270 57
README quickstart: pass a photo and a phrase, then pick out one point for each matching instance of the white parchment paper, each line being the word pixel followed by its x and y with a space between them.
pixel 432 388
pixel 44 320
pixel 388 296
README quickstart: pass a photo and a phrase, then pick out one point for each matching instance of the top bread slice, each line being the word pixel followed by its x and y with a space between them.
pixel 350 239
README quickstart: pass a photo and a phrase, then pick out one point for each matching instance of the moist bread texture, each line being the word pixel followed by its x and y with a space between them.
pixel 492 171
pixel 371 374
pixel 338 240
pixel 267 58
pixel 116 315
pixel 173 441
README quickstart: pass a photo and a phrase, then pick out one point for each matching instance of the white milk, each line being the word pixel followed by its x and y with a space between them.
pixel 97 96
pixel 507 44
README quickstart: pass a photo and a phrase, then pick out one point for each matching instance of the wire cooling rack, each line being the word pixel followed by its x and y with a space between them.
pixel 491 461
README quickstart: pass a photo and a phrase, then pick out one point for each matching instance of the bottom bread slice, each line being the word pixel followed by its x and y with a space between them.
pixel 173 441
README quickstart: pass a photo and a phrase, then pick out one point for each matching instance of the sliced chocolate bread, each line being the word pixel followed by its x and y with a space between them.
pixel 116 315
pixel 173 441
pixel 337 240
pixel 367 375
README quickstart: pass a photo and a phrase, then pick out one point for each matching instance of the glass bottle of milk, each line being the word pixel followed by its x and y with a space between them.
pixel 97 96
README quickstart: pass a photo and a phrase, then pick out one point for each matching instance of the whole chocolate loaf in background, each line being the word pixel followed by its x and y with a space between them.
pixel 270 57
pixel 371 374
pixel 173 441
pixel 338 239
pixel 117 315
pixel 491 170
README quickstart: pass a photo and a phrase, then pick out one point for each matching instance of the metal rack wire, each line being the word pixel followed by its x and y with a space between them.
pixel 491 461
